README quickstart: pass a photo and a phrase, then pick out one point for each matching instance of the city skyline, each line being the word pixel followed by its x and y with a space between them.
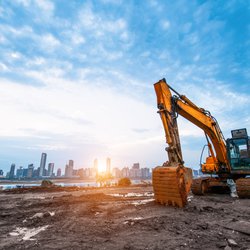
pixel 49 168
pixel 77 77
pixel 91 172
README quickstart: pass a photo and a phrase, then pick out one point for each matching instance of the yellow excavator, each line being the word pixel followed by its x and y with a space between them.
pixel 228 162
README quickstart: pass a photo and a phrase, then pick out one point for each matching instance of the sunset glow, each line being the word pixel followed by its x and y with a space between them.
pixel 101 166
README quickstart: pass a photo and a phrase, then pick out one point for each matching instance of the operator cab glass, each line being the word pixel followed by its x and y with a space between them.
pixel 239 152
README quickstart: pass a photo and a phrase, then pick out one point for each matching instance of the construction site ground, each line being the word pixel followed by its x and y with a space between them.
pixel 120 218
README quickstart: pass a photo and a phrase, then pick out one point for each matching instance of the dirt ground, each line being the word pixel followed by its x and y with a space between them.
pixel 121 218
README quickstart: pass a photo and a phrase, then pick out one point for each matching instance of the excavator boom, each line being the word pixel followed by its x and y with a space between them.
pixel 172 181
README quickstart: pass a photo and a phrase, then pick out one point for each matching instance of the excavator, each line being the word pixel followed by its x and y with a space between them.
pixel 227 164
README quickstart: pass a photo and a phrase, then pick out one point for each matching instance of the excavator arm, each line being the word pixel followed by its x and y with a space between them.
pixel 180 105
pixel 172 181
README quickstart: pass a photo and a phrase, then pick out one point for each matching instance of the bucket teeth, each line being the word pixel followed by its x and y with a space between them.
pixel 171 185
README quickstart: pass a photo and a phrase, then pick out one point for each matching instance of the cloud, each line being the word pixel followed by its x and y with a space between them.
pixel 48 42
pixel 165 25
pixel 78 77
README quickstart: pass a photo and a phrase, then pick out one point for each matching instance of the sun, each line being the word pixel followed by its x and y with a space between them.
pixel 101 167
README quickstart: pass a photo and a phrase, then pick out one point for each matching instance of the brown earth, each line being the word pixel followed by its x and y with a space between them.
pixel 120 218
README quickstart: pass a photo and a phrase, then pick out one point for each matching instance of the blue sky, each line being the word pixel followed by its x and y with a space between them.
pixel 77 77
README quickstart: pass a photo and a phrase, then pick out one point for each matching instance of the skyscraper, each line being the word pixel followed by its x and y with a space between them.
pixel 59 172
pixel 108 165
pixel 12 171
pixel 30 170
pixel 19 172
pixel 95 168
pixel 69 169
pixel 50 169
pixel 42 164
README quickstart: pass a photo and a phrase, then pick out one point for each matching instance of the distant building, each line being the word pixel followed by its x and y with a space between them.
pixel 136 166
pixel 117 173
pixel 36 172
pixel 125 172
pixel 69 169
pixel 135 172
pixel 71 164
pixel 50 169
pixel 25 172
pixel 67 172
pixel 12 171
pixel 30 171
pixel 96 165
pixel 42 164
pixel 59 172
pixel 197 173
pixel 74 172
pixel 1 173
pixel 108 165
pixel 145 173
pixel 19 172
pixel 80 172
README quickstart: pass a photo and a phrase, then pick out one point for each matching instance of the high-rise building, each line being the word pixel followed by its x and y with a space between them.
pixel 50 169
pixel 12 171
pixel 71 164
pixel 96 165
pixel 136 166
pixel 59 172
pixel 80 172
pixel 42 164
pixel 1 173
pixel 116 172
pixel 135 171
pixel 125 172
pixel 25 172
pixel 30 170
pixel 145 173
pixel 19 172
pixel 36 172
pixel 69 170
pixel 108 165
pixel 66 171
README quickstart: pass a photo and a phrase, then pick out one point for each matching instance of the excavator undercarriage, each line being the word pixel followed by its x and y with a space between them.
pixel 203 185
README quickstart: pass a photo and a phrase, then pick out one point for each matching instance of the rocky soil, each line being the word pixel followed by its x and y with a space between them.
pixel 120 218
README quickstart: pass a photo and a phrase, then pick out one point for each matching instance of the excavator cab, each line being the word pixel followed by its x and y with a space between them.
pixel 238 148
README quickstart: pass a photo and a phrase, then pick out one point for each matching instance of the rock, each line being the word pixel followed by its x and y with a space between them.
pixel 227 248
pixel 231 242
pixel 221 244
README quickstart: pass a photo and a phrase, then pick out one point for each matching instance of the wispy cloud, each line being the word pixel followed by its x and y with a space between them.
pixel 78 76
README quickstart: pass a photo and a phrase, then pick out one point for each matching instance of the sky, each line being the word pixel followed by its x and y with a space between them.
pixel 76 77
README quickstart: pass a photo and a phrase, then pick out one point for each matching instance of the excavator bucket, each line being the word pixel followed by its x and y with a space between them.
pixel 171 185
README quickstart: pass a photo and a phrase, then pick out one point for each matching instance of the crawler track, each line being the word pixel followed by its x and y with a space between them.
pixel 243 187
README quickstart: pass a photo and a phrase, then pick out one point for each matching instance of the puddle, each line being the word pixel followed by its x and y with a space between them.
pixel 27 233
pixel 147 194
pixel 35 197
pixel 41 215
pixel 132 221
pixel 141 202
